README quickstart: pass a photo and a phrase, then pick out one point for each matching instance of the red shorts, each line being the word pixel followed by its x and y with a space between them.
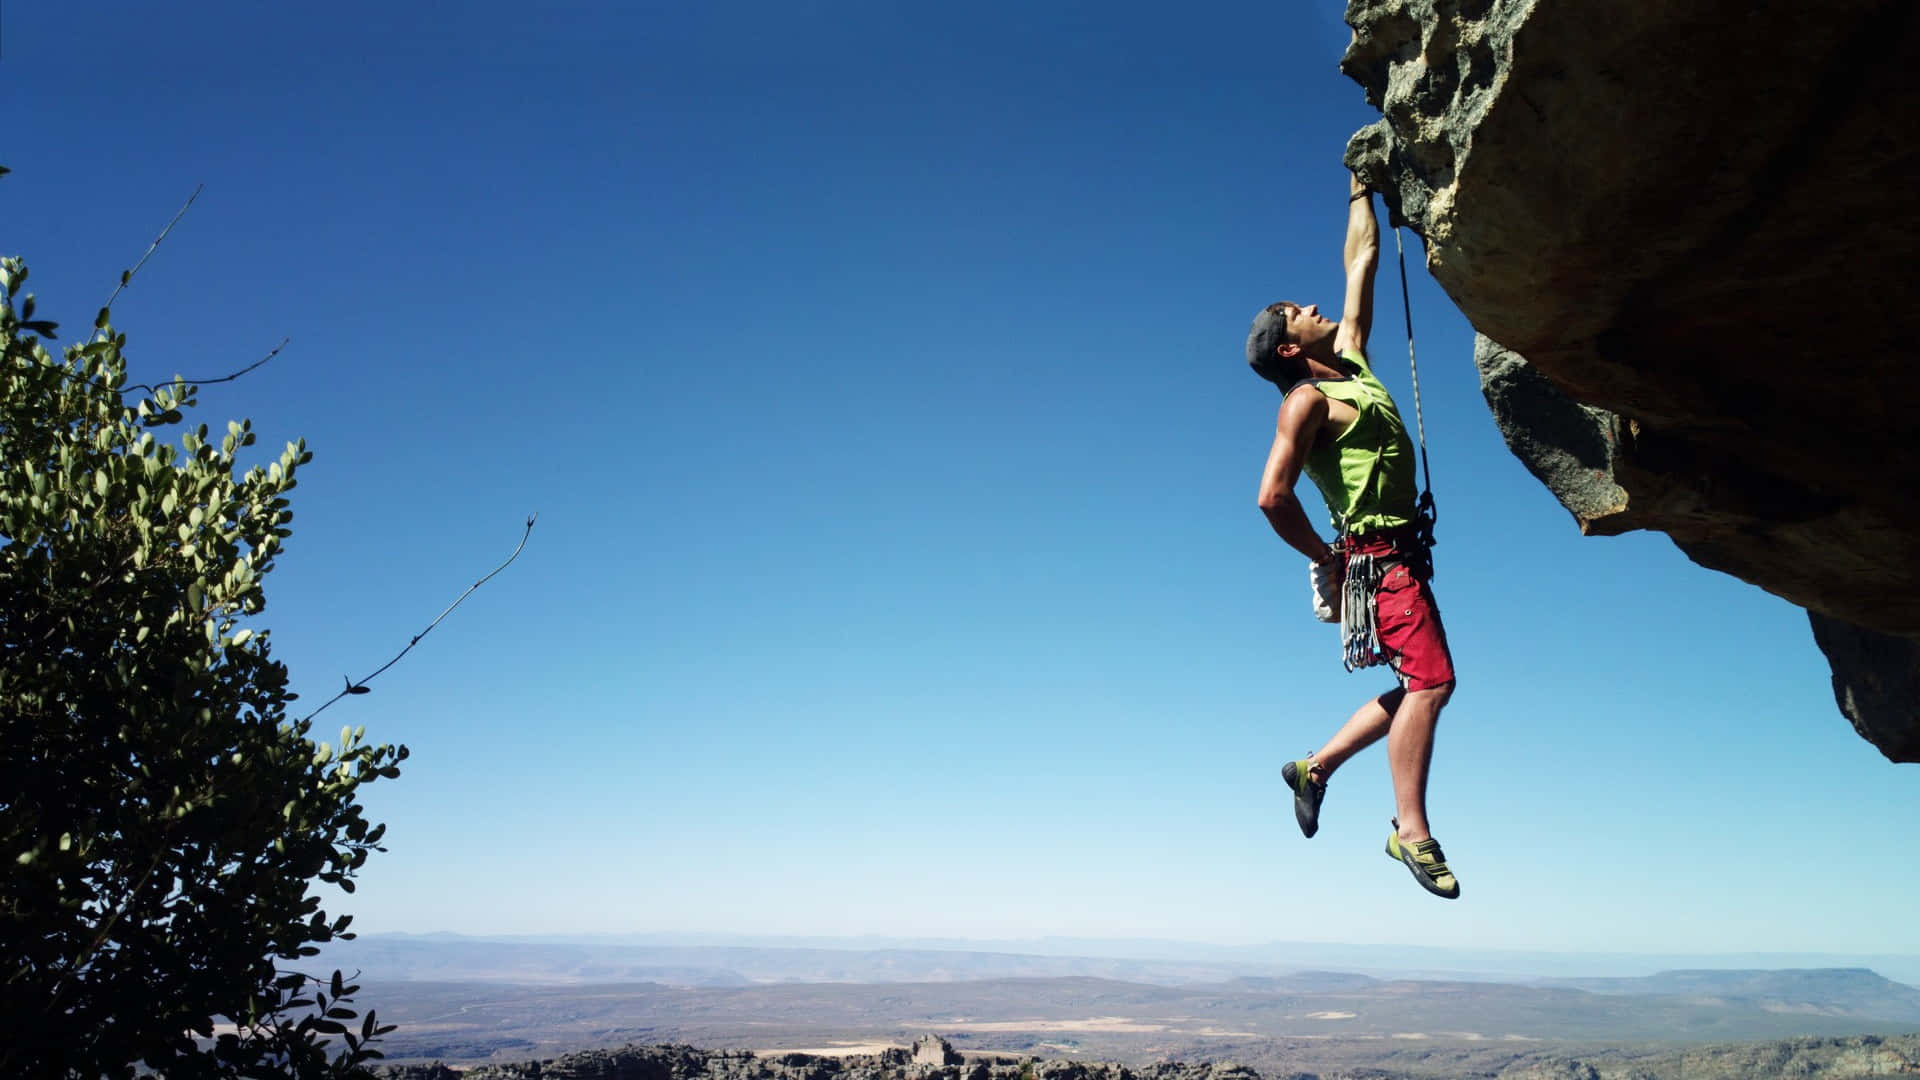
pixel 1408 619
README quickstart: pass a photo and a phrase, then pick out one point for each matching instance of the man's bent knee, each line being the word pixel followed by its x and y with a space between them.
pixel 1435 697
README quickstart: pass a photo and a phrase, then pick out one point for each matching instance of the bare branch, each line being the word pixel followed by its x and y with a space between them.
pixel 361 686
pixel 126 278
pixel 72 376
pixel 209 382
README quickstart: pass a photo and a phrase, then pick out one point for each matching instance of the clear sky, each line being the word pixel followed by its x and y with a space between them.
pixel 876 370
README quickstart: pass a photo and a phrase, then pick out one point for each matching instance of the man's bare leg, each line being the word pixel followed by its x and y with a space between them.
pixel 1362 729
pixel 1410 756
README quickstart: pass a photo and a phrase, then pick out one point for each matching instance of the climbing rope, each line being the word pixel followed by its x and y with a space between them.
pixel 1360 644
pixel 1427 513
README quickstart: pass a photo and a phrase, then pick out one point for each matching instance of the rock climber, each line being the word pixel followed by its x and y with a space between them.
pixel 1339 425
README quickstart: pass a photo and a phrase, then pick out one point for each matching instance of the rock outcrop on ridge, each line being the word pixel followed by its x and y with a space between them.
pixel 1685 236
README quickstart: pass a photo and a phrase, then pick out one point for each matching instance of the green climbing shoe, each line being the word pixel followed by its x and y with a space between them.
pixel 1425 861
pixel 1307 793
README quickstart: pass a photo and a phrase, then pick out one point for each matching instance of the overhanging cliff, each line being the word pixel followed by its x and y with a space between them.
pixel 1686 236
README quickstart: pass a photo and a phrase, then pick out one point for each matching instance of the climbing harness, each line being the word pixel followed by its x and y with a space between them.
pixel 1359 629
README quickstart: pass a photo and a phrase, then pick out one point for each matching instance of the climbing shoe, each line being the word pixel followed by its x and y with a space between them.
pixel 1425 861
pixel 1307 793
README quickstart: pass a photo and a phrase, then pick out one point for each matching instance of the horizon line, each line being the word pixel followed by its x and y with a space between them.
pixel 959 943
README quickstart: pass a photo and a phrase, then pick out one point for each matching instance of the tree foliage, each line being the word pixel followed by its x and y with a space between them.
pixel 161 818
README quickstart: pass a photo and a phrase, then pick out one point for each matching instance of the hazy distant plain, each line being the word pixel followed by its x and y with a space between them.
pixel 461 999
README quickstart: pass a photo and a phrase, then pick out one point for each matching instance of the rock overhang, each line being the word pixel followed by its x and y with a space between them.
pixel 1682 234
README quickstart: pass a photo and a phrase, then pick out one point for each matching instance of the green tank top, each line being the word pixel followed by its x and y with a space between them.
pixel 1367 475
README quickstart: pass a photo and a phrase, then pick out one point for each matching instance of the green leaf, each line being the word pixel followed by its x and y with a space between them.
pixel 132 558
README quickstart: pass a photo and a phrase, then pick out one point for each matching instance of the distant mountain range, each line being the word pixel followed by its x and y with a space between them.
pixel 715 960
pixel 444 957
pixel 471 1000
pixel 1823 991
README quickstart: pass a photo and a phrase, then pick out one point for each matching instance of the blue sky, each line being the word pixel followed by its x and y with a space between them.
pixel 876 372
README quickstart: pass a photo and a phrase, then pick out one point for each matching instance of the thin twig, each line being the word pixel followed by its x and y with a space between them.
pixel 361 686
pixel 127 278
pixel 210 382
pixel 74 376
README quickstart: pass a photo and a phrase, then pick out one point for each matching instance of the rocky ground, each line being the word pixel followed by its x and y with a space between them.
pixel 933 1058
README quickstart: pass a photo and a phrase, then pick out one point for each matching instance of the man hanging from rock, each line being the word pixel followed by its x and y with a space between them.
pixel 1339 425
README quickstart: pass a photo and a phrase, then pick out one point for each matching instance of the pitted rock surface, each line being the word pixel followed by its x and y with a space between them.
pixel 1683 233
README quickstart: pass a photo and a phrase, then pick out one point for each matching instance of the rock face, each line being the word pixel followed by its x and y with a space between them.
pixel 1683 233
pixel 1876 682
pixel 935 1051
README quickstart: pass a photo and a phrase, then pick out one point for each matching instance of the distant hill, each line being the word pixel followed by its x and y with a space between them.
pixel 447 957
pixel 714 960
pixel 1825 991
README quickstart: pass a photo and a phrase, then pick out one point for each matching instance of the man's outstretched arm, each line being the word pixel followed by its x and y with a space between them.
pixel 1301 415
pixel 1362 257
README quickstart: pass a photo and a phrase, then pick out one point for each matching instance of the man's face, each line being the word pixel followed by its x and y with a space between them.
pixel 1306 327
